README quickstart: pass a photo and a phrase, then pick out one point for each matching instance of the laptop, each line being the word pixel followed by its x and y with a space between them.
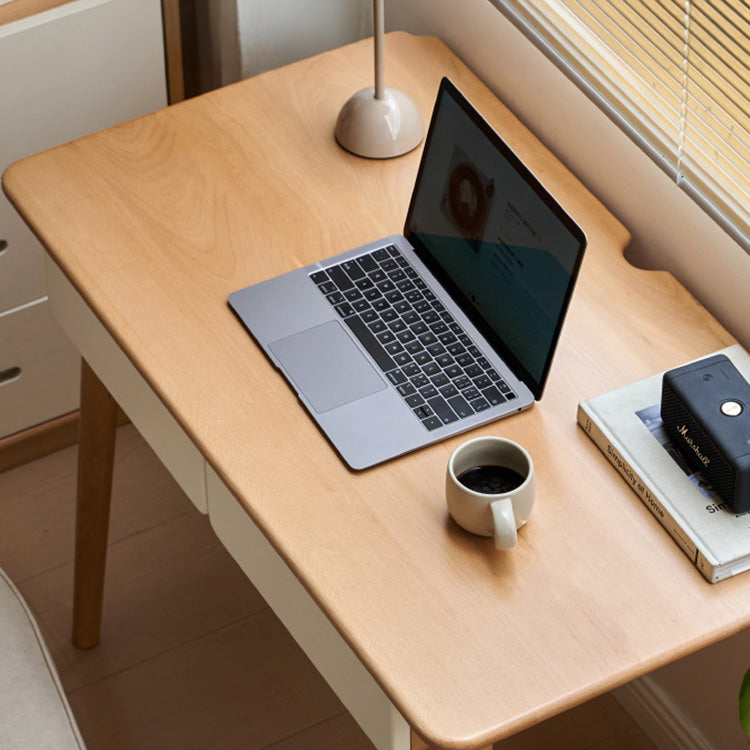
pixel 416 337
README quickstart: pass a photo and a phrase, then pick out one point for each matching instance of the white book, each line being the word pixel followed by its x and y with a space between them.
pixel 626 426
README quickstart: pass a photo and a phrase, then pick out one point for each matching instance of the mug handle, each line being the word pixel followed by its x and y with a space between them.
pixel 505 523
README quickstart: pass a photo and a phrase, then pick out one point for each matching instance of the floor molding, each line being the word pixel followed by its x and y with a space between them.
pixel 41 440
pixel 659 717
pixel 38 441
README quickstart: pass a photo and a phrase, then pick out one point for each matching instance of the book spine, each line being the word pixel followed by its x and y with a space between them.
pixel 648 496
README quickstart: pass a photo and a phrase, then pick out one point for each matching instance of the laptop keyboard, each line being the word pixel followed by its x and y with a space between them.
pixel 430 360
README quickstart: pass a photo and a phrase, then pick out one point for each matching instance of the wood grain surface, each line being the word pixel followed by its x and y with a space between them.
pixel 156 221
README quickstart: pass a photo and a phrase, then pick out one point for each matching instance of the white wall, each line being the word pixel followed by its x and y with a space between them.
pixel 277 32
pixel 669 231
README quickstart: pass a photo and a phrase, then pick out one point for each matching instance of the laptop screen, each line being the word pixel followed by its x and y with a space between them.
pixel 494 237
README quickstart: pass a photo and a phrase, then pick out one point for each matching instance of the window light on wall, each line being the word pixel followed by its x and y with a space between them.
pixel 674 74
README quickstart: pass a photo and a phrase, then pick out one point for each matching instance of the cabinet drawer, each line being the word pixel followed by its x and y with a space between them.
pixel 21 266
pixel 39 368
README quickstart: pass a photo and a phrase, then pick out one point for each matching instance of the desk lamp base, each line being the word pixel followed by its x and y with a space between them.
pixel 379 128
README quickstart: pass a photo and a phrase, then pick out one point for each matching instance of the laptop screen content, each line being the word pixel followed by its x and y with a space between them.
pixel 494 237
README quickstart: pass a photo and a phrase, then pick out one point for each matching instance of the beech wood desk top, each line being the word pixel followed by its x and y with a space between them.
pixel 156 221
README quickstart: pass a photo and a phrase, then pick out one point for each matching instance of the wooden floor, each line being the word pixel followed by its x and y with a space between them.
pixel 191 657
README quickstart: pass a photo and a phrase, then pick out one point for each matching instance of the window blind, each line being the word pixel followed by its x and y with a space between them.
pixel 674 74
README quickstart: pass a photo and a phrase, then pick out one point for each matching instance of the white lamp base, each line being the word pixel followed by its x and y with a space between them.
pixel 379 128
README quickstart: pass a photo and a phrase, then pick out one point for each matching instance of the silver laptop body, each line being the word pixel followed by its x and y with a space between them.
pixel 480 280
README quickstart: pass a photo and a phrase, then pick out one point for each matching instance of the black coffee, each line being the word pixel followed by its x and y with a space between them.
pixel 491 480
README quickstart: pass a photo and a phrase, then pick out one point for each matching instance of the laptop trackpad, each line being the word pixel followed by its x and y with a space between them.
pixel 326 366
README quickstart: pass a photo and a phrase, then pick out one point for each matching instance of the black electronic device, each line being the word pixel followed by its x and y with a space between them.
pixel 705 408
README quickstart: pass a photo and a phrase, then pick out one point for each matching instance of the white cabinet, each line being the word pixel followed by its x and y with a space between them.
pixel 67 71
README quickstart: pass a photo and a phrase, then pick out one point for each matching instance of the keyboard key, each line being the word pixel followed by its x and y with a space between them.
pixel 340 278
pixel 422 358
pixel 380 255
pixel 402 358
pixel 469 393
pixel 319 277
pixel 396 377
pixel 344 309
pixel 413 347
pixel 370 316
pixel 394 347
pixel 353 269
pixel 336 298
pixel 368 263
pixel 394 251
pixel 406 389
pixel 377 325
pixel 432 423
pixel 448 390
pixel 482 381
pixel 385 337
pixel 398 326
pixel 410 370
pixel 480 404
pixel 423 411
pixel 378 276
pixel 327 287
pixel 462 382
pixel 353 294
pixel 442 410
pixel 414 400
pixel 361 305
pixel 460 406
pixel 453 371
pixel 367 338
pixel 493 395
pixel 372 294
pixel 428 391
pixel 364 284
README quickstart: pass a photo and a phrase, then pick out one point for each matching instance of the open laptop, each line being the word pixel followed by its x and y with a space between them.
pixel 413 338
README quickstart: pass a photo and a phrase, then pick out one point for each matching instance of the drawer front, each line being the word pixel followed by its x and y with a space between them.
pixel 39 369
pixel 21 268
pixel 65 73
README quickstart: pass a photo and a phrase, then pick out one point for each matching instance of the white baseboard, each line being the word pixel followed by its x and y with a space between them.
pixel 659 717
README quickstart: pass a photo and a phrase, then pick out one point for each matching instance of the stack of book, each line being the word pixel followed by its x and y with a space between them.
pixel 626 426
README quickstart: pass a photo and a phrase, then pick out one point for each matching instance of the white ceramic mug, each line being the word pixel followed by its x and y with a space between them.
pixel 499 514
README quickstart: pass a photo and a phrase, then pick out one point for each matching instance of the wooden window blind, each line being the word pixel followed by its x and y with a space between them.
pixel 674 73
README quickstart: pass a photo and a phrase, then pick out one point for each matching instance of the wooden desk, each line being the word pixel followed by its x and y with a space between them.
pixel 149 225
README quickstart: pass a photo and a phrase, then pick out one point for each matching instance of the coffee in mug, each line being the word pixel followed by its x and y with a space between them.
pixel 490 488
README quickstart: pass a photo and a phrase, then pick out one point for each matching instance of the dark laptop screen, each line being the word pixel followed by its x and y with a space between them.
pixel 494 237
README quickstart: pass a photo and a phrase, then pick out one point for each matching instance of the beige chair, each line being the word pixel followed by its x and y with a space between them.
pixel 34 712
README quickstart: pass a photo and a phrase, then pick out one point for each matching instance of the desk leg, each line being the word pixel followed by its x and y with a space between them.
pixel 96 448
pixel 417 743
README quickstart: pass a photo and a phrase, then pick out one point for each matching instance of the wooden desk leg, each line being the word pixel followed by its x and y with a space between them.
pixel 96 452
pixel 417 743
